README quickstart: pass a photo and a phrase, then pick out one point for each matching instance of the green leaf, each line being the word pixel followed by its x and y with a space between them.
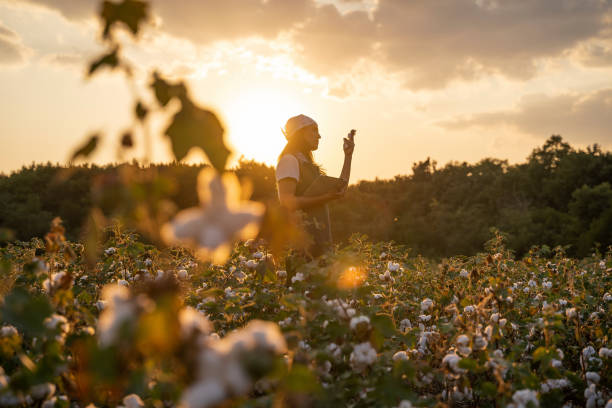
pixel 300 379
pixel 468 364
pixel 196 127
pixel 26 312
pixel 86 149
pixel 384 325
pixel 110 60
pixel 130 13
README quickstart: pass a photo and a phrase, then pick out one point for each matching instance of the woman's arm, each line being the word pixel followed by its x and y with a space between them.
pixel 346 168
pixel 288 199
pixel 349 146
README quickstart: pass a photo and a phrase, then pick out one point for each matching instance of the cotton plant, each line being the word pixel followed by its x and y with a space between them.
pixel 221 218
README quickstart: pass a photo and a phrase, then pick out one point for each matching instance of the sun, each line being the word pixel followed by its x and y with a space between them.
pixel 254 120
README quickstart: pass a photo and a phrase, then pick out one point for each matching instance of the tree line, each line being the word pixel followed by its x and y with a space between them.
pixel 559 196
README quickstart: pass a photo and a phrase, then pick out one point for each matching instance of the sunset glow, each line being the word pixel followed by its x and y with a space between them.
pixel 254 119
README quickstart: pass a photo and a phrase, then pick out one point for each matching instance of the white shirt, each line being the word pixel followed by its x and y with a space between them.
pixel 288 167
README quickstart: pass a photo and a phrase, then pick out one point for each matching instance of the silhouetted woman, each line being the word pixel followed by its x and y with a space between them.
pixel 296 171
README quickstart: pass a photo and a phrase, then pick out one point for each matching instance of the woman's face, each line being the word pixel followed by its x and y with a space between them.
pixel 311 137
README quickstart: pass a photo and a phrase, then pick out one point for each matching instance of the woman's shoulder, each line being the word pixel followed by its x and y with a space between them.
pixel 288 167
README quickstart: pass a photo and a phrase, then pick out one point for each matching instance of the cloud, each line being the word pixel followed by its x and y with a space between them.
pixel 581 118
pixel 438 41
pixel 71 9
pixel 208 21
pixel 330 42
pixel 12 51
pixel 67 60
pixel 431 43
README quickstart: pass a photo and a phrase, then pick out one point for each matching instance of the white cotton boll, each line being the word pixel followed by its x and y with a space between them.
pixel 334 350
pixel 299 277
pixel 426 304
pixel 8 331
pixel 488 331
pixel 50 403
pixel 393 266
pixel 462 340
pixel 377 296
pixel 182 274
pixel 532 283
pixel 281 274
pixel 479 343
pixel 193 322
pixel 42 391
pixel 602 264
pixel 240 276
pixel 523 397
pixel 407 404
pixel 469 309
pixel 607 297
pixel 251 264
pixel 451 361
pixel 360 321
pixel 464 273
pixel 502 322
pixel 118 311
pixel 405 324
pixel 495 317
pixel 547 285
pixel 204 394
pixel 562 302
pixel 605 352
pixel 385 276
pixel 148 262
pixel 123 282
pixel 526 289
pixel 110 251
pixel 100 305
pixel 133 401
pixel 383 255
pixel 258 255
pixel 56 321
pixel 587 352
pixel 425 318
pixel 570 312
pixel 400 356
pixel 592 377
pixel 362 356
pixel 556 363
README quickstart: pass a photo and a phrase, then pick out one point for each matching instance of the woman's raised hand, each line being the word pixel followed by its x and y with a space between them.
pixel 349 143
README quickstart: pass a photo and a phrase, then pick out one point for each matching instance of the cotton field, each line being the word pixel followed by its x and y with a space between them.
pixel 370 324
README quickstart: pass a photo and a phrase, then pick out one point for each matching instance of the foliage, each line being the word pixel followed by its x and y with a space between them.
pixel 471 330
pixel 436 211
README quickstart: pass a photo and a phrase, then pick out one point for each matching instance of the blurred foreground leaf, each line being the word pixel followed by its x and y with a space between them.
pixel 130 13
pixel 110 60
pixel 86 149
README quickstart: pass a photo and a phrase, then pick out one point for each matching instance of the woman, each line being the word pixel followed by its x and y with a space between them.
pixel 296 171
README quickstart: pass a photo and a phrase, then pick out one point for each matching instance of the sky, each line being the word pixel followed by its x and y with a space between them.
pixel 454 80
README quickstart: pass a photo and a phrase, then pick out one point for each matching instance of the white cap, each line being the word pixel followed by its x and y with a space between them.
pixel 296 123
